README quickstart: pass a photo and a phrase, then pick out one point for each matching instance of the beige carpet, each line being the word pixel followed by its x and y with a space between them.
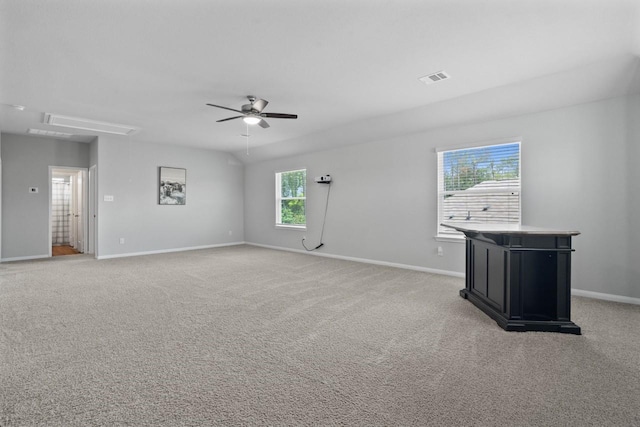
pixel 251 336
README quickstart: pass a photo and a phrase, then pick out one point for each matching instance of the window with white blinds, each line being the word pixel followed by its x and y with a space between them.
pixel 478 185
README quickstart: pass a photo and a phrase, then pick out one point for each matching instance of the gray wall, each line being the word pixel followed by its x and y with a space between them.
pixel 128 170
pixel 633 182
pixel 0 194
pixel 25 217
pixel 93 153
pixel 383 200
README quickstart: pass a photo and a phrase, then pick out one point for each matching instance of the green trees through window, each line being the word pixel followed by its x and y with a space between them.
pixel 464 169
pixel 291 189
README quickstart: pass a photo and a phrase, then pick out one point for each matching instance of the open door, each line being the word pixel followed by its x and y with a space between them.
pixel 79 220
pixel 67 210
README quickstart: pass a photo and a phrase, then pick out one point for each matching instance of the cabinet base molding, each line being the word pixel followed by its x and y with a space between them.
pixel 519 325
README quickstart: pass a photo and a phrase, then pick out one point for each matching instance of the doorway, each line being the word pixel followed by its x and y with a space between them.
pixel 67 207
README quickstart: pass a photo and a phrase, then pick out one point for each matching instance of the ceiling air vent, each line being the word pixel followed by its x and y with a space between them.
pixel 435 77
pixel 89 125
pixel 51 133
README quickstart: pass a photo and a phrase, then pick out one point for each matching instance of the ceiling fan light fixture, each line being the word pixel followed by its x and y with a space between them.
pixel 251 120
pixel 252 113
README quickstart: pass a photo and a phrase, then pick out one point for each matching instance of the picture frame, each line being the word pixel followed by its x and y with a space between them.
pixel 172 186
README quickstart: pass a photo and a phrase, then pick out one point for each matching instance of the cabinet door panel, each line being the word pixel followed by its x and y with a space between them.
pixel 539 287
pixel 480 268
pixel 496 279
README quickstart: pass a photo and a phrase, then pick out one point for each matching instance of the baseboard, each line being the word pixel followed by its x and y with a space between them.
pixel 606 297
pixel 25 258
pixel 364 260
pixel 165 251
pixel 577 292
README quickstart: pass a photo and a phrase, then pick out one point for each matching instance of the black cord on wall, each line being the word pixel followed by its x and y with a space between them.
pixel 324 220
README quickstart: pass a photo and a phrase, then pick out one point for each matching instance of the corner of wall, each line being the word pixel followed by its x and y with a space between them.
pixel 633 198
pixel 0 194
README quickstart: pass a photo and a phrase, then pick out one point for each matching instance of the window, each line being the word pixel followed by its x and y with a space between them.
pixel 291 192
pixel 478 185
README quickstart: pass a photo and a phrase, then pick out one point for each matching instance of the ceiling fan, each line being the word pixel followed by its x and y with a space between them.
pixel 252 113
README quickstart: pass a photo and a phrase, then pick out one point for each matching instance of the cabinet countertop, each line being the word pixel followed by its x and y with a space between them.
pixel 515 229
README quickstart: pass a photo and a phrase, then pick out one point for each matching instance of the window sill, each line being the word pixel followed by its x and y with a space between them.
pixel 452 239
pixel 292 227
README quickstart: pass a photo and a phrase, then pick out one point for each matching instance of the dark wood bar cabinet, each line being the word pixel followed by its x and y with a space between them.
pixel 520 276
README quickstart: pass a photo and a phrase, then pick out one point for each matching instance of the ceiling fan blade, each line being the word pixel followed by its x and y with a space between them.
pixel 279 115
pixel 226 108
pixel 259 105
pixel 263 123
pixel 230 118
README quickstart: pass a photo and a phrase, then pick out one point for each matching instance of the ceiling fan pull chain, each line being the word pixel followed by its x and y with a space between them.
pixel 247 139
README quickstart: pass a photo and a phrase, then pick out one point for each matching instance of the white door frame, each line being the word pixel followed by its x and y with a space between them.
pixel 84 201
pixel 92 212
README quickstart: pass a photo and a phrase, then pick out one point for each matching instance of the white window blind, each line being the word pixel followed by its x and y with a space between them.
pixel 478 185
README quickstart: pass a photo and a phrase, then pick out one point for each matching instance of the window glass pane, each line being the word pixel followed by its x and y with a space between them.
pixel 293 184
pixel 464 169
pixel 293 212
pixel 469 207
pixel 479 185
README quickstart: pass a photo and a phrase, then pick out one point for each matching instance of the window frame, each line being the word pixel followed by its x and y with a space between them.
pixel 450 235
pixel 279 199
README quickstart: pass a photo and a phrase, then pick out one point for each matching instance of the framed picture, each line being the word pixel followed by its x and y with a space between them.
pixel 172 186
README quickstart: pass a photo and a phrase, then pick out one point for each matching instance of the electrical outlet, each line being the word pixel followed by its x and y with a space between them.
pixel 230 232
pixel 122 240
pixel 440 251
pixel 304 237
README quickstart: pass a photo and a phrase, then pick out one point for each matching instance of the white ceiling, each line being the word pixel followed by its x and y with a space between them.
pixel 348 68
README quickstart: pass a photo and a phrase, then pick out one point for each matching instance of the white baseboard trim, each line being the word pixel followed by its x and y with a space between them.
pixel 606 297
pixel 25 258
pixel 364 260
pixel 165 251
pixel 577 292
